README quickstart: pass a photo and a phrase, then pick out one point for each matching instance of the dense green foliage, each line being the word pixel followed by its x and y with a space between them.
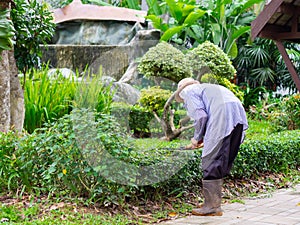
pixel 260 64
pixel 226 22
pixel 184 14
pixel 34 26
pixel 287 113
pixel 271 153
pixel 46 98
pixel 154 98
pixel 210 55
pixel 164 60
pixel 192 23
pixel 139 121
pixel 59 157
pixel 49 97
pixel 66 159
pixel 283 113
pixel 6 31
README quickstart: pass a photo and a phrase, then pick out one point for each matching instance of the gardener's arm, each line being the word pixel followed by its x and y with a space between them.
pixel 199 125
pixel 196 110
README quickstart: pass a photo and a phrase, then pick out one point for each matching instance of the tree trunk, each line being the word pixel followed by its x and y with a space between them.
pixel 167 122
pixel 4 92
pixel 12 109
pixel 17 107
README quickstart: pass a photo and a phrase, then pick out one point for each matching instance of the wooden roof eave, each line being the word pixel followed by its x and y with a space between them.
pixel 262 19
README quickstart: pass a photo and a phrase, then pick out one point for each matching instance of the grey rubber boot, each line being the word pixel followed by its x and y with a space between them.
pixel 212 192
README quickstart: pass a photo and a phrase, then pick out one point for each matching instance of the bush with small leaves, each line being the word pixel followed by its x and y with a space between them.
pixel 164 60
pixel 154 98
pixel 209 55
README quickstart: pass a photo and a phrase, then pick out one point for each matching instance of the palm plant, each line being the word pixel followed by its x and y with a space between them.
pixel 261 64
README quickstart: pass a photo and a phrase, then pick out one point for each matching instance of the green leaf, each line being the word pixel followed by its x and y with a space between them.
pixel 157 22
pixel 193 17
pixel 240 31
pixel 233 52
pixel 175 10
pixel 187 9
pixel 171 32
pixel 249 4
pixel 216 32
pixel 154 6
pixel 133 4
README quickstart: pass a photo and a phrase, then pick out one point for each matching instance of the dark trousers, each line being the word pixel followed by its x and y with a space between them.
pixel 219 164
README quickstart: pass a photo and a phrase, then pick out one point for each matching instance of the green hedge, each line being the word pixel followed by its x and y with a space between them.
pixel 273 153
pixel 52 160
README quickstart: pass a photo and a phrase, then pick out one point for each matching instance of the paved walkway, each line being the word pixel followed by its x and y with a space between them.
pixel 280 207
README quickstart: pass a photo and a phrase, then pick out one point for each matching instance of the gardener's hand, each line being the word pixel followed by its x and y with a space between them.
pixel 194 144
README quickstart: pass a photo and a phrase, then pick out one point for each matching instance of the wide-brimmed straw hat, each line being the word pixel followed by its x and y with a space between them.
pixel 181 85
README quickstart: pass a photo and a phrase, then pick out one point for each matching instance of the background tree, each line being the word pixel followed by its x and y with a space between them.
pixel 11 94
pixel 32 24
pixel 260 64
pixel 164 60
pixel 226 21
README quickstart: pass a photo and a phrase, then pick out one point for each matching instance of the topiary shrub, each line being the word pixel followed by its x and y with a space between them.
pixel 213 79
pixel 164 60
pixel 154 98
pixel 211 56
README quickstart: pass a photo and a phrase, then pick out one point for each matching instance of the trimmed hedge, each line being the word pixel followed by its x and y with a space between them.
pixel 273 153
pixel 51 160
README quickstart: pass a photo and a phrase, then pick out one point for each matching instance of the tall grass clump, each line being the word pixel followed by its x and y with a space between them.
pixel 94 94
pixel 46 98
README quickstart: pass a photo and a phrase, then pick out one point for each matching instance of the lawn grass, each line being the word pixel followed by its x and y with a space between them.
pixel 25 213
pixel 258 128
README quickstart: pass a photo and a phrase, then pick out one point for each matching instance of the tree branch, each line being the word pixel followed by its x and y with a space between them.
pixel 156 117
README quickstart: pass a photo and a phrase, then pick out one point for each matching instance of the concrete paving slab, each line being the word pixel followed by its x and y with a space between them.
pixel 281 208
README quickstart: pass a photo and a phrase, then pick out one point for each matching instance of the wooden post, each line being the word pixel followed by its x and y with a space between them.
pixel 288 63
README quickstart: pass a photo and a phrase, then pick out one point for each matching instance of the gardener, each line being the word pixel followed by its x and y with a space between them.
pixel 220 122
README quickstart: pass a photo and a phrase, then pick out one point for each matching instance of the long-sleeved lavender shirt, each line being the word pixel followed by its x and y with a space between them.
pixel 215 111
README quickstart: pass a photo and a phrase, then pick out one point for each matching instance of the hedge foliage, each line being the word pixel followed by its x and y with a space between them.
pixel 273 153
pixel 210 55
pixel 164 60
pixel 54 160
pixel 154 98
